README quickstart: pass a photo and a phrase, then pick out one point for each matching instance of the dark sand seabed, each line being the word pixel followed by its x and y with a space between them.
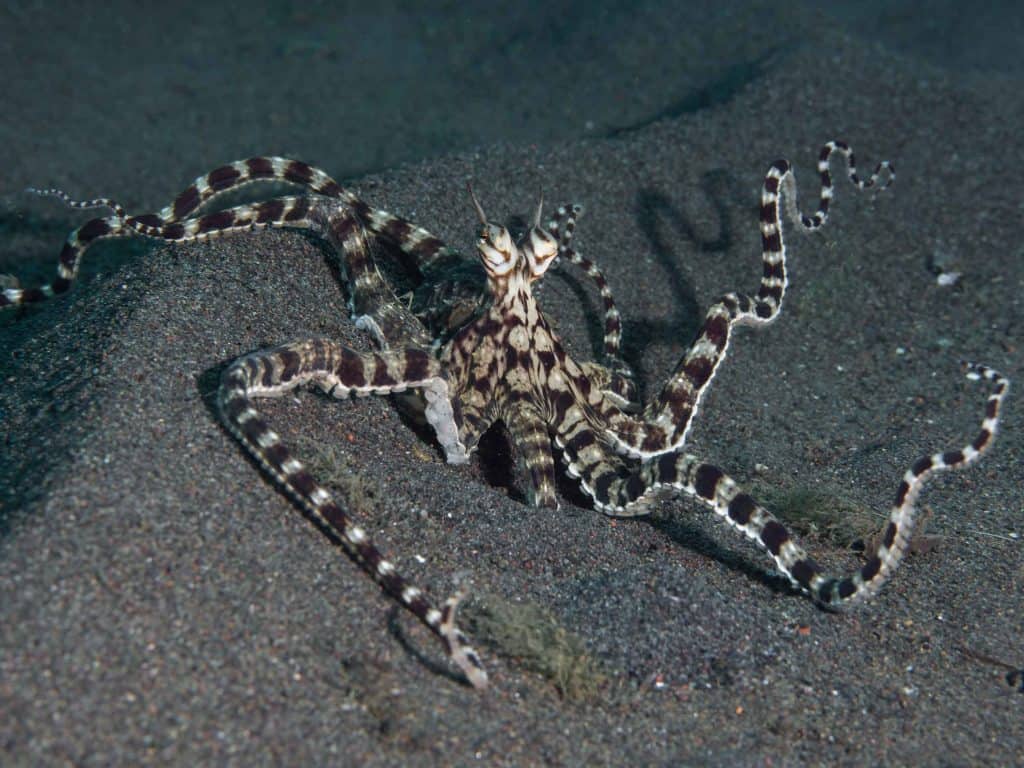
pixel 162 603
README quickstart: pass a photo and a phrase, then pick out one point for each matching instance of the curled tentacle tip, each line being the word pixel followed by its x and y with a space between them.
pixel 462 653
pixel 471 666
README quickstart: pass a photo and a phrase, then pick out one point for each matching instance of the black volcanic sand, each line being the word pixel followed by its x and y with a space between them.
pixel 163 603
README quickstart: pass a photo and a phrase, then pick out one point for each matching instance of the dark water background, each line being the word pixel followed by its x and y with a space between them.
pixel 360 88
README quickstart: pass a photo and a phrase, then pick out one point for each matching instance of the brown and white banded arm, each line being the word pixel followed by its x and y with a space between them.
pixel 621 491
pixel 342 372
pixel 620 385
pixel 668 416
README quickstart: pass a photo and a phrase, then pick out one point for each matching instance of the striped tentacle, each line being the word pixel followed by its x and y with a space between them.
pixel 343 372
pixel 277 213
pixel 824 160
pixel 530 436
pixel 422 246
pixel 428 252
pixel 242 173
pixel 416 241
pixel 669 416
pixel 620 384
pixel 75 245
pixel 563 226
pixel 372 302
pixel 100 202
pixel 71 254
pixel 619 492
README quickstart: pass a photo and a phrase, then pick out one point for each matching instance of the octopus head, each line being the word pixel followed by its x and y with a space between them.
pixel 501 255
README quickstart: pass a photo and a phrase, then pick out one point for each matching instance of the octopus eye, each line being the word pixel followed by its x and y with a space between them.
pixel 541 248
pixel 496 249
pixel 543 244
pixel 500 239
